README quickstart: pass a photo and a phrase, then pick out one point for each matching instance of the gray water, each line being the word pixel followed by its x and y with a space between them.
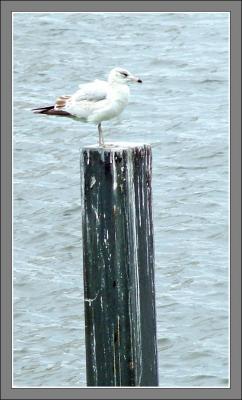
pixel 182 108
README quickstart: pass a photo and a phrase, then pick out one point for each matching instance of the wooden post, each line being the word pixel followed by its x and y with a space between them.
pixel 118 261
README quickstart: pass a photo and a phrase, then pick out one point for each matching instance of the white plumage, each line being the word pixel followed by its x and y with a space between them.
pixel 96 101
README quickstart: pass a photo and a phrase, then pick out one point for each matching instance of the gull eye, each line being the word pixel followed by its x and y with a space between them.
pixel 124 74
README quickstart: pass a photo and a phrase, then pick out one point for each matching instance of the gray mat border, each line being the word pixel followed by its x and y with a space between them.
pixel 7 392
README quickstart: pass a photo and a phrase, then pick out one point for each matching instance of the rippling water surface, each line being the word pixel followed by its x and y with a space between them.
pixel 182 108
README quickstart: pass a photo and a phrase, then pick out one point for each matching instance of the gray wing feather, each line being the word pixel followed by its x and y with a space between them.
pixel 93 91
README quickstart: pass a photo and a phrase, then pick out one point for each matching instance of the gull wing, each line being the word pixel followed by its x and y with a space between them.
pixel 80 102
pixel 93 91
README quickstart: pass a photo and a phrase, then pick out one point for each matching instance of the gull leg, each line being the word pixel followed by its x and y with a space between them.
pixel 101 139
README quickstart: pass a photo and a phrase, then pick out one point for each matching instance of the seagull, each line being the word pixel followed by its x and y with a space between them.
pixel 95 101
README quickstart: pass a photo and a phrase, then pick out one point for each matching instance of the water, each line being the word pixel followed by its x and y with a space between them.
pixel 181 107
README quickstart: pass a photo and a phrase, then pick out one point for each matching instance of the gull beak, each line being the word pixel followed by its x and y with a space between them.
pixel 133 78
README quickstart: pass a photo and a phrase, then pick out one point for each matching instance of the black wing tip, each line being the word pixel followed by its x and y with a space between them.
pixel 42 110
pixel 50 110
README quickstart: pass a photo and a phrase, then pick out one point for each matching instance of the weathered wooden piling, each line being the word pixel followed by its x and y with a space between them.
pixel 118 262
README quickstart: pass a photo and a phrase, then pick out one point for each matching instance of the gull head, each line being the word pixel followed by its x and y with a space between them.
pixel 122 76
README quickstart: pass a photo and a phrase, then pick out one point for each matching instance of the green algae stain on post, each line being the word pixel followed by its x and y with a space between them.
pixel 118 262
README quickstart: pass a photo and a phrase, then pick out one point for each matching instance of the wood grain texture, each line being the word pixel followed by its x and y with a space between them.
pixel 118 261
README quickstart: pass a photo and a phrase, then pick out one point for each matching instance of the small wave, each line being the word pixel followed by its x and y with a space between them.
pixel 168 305
pixel 197 354
pixel 210 81
pixel 72 210
pixel 164 344
pixel 212 155
pixel 204 377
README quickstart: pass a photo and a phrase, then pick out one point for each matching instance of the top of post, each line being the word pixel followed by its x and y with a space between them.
pixel 117 146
